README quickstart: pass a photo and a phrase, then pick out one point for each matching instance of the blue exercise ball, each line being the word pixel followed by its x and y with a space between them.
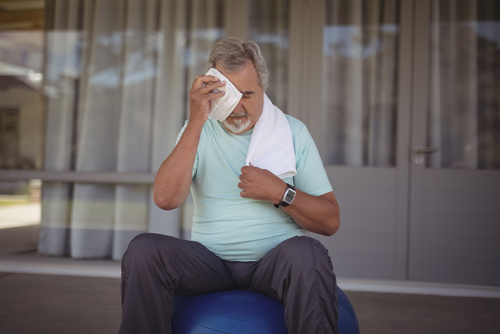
pixel 243 312
pixel 348 322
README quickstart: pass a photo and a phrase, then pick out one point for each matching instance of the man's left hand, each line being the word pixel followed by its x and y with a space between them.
pixel 261 184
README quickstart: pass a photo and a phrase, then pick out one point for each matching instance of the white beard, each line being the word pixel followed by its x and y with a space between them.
pixel 237 125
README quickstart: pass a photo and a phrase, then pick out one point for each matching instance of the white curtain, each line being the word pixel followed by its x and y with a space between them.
pixel 268 26
pixel 464 84
pixel 117 75
pixel 359 83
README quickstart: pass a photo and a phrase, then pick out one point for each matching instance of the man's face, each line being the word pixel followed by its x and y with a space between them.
pixel 248 110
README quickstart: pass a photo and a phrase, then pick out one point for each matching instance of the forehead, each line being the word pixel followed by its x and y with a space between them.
pixel 246 79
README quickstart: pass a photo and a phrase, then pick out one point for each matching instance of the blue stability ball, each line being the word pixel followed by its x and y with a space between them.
pixel 235 311
pixel 243 312
pixel 348 322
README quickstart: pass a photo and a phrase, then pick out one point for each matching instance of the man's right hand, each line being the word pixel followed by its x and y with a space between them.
pixel 200 95
pixel 173 179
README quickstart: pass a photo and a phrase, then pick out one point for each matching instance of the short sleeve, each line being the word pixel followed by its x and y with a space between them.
pixel 311 176
pixel 195 165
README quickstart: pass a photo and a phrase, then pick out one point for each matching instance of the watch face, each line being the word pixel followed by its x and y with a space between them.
pixel 289 196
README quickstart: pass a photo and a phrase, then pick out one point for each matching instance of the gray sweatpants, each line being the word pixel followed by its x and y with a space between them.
pixel 297 272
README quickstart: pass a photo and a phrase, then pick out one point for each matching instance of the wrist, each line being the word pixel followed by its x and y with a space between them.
pixel 196 123
pixel 288 196
pixel 280 193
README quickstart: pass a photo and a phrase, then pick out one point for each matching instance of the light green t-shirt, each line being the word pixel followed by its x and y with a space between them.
pixel 237 228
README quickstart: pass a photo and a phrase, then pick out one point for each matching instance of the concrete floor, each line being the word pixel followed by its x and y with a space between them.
pixel 392 313
pixel 53 304
pixel 50 304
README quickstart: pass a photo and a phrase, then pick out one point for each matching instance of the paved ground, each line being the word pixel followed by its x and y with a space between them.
pixel 391 313
pixel 21 214
pixel 51 304
pixel 19 225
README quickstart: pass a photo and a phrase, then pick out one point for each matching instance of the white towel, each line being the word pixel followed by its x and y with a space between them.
pixel 222 107
pixel 271 145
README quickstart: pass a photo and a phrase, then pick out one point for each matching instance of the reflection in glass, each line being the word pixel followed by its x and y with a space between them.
pixel 464 86
pixel 359 82
pixel 92 220
pixel 268 22
pixel 20 215
pixel 20 100
pixel 117 78
pixel 118 73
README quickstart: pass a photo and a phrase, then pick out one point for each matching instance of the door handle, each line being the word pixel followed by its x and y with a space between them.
pixel 427 150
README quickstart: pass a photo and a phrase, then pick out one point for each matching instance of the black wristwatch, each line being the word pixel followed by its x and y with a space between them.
pixel 288 196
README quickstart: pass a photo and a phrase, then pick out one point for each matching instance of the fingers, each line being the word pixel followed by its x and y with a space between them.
pixel 214 95
pixel 248 169
pixel 207 79
pixel 243 193
pixel 200 95
pixel 211 86
pixel 207 92
pixel 202 80
pixel 245 177
pixel 205 84
pixel 203 88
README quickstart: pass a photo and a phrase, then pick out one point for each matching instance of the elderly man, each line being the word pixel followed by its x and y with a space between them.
pixel 249 225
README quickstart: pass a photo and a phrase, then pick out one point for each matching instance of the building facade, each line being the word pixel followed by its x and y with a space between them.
pixel 401 97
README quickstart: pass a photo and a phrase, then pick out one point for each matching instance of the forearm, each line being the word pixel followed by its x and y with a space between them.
pixel 173 179
pixel 318 214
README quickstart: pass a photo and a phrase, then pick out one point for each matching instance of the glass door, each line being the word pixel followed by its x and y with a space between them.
pixel 360 126
pixel 343 68
pixel 455 170
pixel 21 123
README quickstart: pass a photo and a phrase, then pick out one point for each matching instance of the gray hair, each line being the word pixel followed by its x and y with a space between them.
pixel 232 53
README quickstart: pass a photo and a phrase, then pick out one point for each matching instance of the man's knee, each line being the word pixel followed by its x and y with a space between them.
pixel 144 246
pixel 303 249
pixel 306 257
